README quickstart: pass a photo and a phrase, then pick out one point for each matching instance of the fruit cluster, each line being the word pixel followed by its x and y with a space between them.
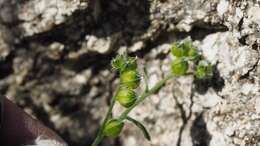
pixel 186 54
pixel 129 79
pixel 126 96
pixel 186 60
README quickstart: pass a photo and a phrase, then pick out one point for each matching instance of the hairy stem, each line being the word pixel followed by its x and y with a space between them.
pixel 123 116
pixel 152 91
pixel 100 135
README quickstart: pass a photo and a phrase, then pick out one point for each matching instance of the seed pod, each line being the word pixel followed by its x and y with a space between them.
pixel 130 79
pixel 118 62
pixel 179 67
pixel 113 128
pixel 178 50
pixel 193 53
pixel 204 70
pixel 126 97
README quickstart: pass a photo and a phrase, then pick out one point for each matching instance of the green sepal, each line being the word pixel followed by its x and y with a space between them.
pixel 140 126
pixel 130 79
pixel 126 97
pixel 123 62
pixel 179 67
pixel 193 53
pixel 178 50
pixel 204 70
pixel 113 128
pixel 119 62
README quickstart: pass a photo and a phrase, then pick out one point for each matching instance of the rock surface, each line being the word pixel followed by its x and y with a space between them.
pixel 55 63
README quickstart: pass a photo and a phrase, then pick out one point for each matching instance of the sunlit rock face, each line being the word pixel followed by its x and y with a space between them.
pixel 55 63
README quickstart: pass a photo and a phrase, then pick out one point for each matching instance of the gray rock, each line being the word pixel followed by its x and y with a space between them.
pixel 55 58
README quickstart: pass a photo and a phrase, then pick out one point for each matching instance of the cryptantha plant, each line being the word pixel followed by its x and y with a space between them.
pixel 187 61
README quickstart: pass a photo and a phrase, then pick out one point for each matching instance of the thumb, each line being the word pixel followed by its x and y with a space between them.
pixel 18 128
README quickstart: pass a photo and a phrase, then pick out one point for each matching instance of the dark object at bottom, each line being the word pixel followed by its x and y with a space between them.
pixel 1 116
pixel 1 111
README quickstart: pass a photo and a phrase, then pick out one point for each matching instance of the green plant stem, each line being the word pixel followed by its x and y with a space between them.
pixel 100 135
pixel 123 116
pixel 152 91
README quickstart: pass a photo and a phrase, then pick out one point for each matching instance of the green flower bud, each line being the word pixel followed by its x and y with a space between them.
pixel 179 67
pixel 122 62
pixel 126 97
pixel 193 53
pixel 119 62
pixel 204 70
pixel 178 50
pixel 130 79
pixel 113 128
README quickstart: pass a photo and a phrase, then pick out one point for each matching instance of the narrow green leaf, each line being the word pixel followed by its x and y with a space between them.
pixel 141 126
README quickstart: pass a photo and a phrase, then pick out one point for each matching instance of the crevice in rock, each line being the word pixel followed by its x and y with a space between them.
pixel 184 115
pixel 240 24
pixel 254 67
pixel 69 33
pixel 82 63
pixel 197 33
pixel 242 40
pixel 246 75
pixel 6 67
pixel 114 18
pixel 200 31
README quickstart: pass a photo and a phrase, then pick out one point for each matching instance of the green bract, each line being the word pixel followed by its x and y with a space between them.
pixel 184 49
pixel 113 128
pixel 130 79
pixel 179 67
pixel 119 62
pixel 193 53
pixel 178 50
pixel 126 97
pixel 203 70
pixel 122 62
pixel 187 44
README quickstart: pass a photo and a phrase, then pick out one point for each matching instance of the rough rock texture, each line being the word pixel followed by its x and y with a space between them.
pixel 55 57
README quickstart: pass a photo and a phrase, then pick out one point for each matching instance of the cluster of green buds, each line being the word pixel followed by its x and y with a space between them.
pixel 187 60
pixel 186 55
pixel 126 96
pixel 129 79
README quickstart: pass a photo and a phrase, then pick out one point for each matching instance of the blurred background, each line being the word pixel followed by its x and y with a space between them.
pixel 55 63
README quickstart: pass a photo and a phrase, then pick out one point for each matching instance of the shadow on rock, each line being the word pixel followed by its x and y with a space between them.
pixel 216 82
pixel 199 133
